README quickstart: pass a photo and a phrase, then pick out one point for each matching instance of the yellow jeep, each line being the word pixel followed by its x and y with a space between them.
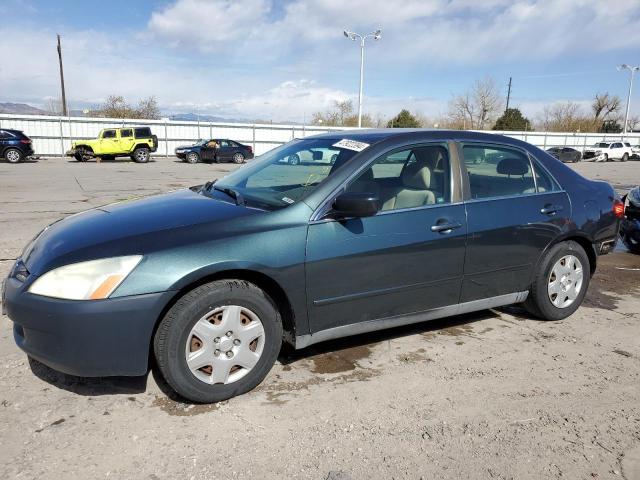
pixel 134 142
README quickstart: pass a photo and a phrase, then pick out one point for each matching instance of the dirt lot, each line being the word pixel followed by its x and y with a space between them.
pixel 489 395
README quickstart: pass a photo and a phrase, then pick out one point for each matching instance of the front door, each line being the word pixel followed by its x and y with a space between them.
pixel 207 152
pixel 109 142
pixel 406 259
pixel 514 211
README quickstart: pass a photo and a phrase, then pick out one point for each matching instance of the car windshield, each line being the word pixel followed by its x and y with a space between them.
pixel 200 142
pixel 287 174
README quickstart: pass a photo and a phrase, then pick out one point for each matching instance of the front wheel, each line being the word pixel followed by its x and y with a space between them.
pixel 561 282
pixel 294 159
pixel 238 158
pixel 13 155
pixel 141 155
pixel 218 341
pixel 606 158
pixel 192 157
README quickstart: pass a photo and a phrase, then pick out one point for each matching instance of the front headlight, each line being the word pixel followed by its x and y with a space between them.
pixel 92 280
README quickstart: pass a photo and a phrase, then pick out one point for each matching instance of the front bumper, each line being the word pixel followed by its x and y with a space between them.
pixel 95 338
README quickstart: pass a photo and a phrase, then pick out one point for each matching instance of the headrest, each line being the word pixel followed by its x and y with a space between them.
pixel 417 176
pixel 513 166
pixel 367 176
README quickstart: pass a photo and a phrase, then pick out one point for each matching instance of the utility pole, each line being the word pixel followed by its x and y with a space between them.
pixel 64 96
pixel 508 96
pixel 632 70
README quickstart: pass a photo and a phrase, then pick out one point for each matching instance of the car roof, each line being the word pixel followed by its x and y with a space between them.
pixel 373 135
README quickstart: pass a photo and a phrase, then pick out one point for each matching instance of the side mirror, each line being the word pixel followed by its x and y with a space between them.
pixel 356 205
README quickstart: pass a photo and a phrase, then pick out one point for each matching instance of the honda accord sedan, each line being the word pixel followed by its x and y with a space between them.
pixel 405 226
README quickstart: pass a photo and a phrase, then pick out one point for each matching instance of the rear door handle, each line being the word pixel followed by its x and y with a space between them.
pixel 445 226
pixel 551 209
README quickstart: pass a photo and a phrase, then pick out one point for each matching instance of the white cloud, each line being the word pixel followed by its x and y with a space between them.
pixel 208 24
pixel 453 31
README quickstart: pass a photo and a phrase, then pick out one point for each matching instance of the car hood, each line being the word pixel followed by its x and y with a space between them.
pixel 125 228
pixel 186 147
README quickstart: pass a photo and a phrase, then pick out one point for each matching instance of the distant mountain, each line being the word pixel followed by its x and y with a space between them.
pixel 192 117
pixel 21 109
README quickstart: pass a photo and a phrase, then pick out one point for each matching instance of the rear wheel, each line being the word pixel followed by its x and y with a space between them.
pixel 13 155
pixel 625 157
pixel 606 157
pixel 141 155
pixel 561 282
pixel 238 158
pixel 218 341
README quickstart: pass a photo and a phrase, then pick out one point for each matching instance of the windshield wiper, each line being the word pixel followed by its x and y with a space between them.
pixel 235 194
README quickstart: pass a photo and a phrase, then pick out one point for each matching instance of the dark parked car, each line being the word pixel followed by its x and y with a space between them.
pixel 630 226
pixel 15 146
pixel 215 150
pixel 565 154
pixel 211 280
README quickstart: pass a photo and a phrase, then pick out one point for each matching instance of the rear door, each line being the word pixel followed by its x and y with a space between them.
pixel 514 210
pixel 407 258
pixel 126 139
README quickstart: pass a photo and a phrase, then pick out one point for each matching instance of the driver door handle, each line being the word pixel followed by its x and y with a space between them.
pixel 445 226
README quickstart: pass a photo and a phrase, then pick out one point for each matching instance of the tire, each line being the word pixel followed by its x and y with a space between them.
pixel 625 157
pixel 141 155
pixel 192 157
pixel 540 303
pixel 238 158
pixel 606 157
pixel 13 155
pixel 204 309
pixel 79 156
pixel 294 159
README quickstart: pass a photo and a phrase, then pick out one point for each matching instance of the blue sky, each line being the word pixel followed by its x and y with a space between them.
pixel 283 60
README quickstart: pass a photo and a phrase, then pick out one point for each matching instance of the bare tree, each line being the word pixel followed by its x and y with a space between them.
pixel 605 105
pixel 341 115
pixel 148 108
pixel 566 117
pixel 477 108
pixel 54 106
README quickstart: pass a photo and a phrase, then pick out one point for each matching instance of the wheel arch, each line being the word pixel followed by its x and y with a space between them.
pixel 581 239
pixel 263 281
pixel 86 147
pixel 141 145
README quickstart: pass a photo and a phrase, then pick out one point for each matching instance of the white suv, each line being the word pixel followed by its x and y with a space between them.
pixel 605 151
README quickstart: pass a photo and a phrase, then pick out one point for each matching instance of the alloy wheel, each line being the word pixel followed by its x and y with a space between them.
pixel 13 156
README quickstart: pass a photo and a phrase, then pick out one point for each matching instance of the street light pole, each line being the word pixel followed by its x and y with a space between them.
pixel 352 35
pixel 633 70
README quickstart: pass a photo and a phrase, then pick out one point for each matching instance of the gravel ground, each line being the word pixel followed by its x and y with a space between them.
pixel 492 394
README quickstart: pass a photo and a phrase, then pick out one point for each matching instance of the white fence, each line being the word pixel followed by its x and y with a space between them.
pixel 52 136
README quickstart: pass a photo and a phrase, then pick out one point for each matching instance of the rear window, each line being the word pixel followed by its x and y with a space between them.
pixel 4 134
pixel 143 132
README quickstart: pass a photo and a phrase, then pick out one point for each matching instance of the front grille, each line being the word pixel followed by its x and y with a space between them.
pixel 589 155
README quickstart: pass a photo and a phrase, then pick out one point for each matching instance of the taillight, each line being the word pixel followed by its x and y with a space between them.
pixel 25 140
pixel 618 208
pixel 250 150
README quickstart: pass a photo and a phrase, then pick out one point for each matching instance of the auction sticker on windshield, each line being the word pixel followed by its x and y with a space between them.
pixel 351 145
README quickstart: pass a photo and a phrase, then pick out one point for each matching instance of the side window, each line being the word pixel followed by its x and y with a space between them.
pixel 143 132
pixel 496 171
pixel 544 181
pixel 4 135
pixel 109 134
pixel 126 133
pixel 412 177
pixel 224 143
